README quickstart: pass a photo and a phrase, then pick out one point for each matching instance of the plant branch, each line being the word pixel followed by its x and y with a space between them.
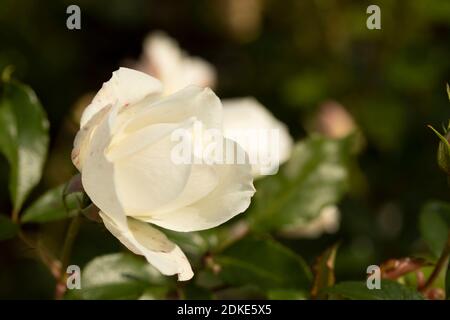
pixel 15 216
pixel 53 264
pixel 442 262
pixel 71 235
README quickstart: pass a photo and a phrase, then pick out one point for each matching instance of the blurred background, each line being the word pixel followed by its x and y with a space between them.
pixel 293 56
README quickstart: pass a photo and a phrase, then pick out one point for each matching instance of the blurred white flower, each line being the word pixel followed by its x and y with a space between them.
pixel 327 222
pixel 243 117
pixel 258 132
pixel 123 151
pixel 163 59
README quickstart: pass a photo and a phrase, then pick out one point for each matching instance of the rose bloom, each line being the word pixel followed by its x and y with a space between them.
pixel 123 151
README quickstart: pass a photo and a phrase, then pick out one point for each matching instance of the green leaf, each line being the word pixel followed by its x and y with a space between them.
pixel 389 290
pixel 324 273
pixel 263 263
pixel 434 224
pixel 8 229
pixel 443 153
pixel 315 176
pixel 51 206
pixel 121 276
pixel 23 139
pixel 194 244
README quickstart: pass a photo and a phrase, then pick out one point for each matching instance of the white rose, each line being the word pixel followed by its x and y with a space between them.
pixel 123 151
pixel 265 139
pixel 162 58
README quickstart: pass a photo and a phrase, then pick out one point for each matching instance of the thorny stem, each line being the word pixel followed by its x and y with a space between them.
pixel 442 262
pixel 71 235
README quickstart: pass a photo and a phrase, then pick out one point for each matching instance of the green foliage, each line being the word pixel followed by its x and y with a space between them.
pixel 389 291
pixel 315 176
pixel 263 263
pixel 443 153
pixel 434 224
pixel 23 138
pixel 121 276
pixel 194 244
pixel 8 229
pixel 53 205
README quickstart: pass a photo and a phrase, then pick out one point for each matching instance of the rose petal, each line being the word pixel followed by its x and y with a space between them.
pixel 126 86
pixel 231 196
pixel 148 178
pixel 202 180
pixel 83 138
pixel 190 102
pixel 98 176
pixel 141 238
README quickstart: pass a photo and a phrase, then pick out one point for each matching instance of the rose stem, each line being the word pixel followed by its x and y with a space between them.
pixel 439 265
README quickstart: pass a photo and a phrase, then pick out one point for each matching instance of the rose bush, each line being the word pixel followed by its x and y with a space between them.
pixel 123 151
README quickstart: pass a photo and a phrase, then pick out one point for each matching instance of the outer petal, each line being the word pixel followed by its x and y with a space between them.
pixel 141 238
pixel 244 114
pixel 231 196
pixel 126 86
pixel 98 176
pixel 83 137
pixel 192 101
